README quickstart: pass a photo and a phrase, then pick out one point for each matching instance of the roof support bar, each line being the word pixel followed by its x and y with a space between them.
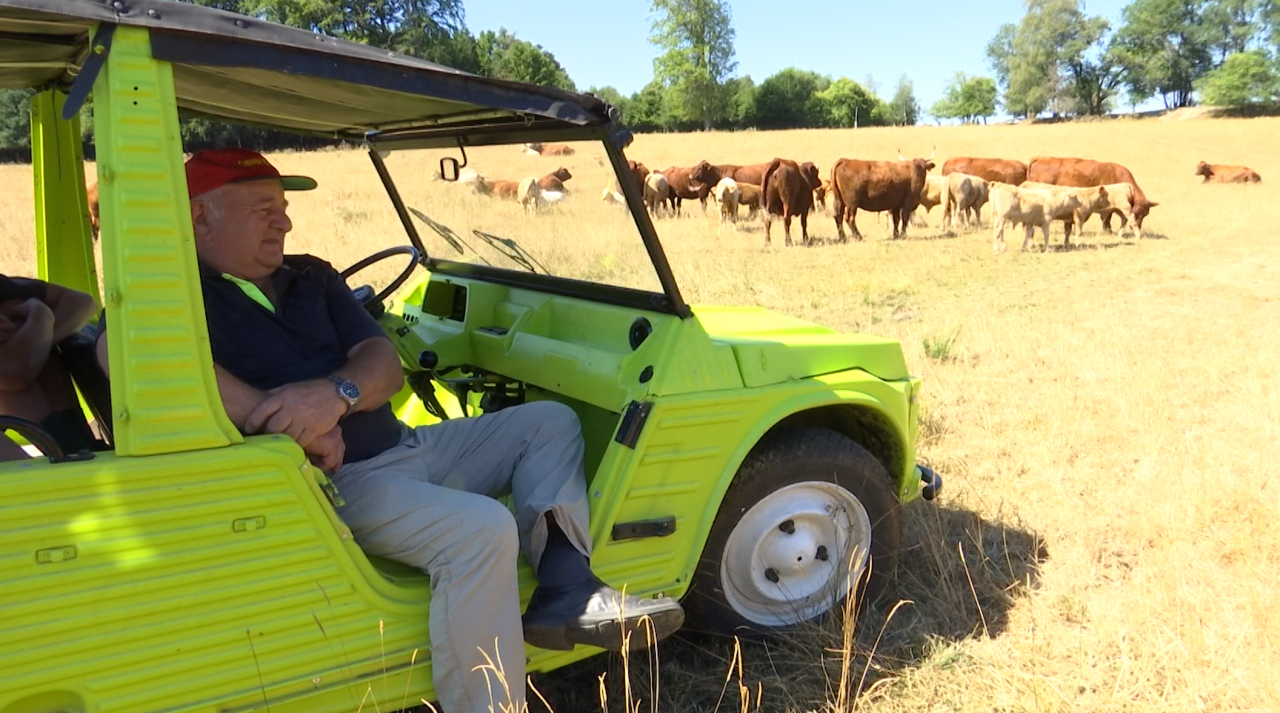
pixel 398 202
pixel 650 234
pixel 100 48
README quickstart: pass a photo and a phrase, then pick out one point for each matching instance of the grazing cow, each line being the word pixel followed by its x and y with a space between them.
pixel 541 149
pixel 877 186
pixel 554 181
pixel 95 223
pixel 749 196
pixel 1092 200
pixel 962 193
pixel 656 190
pixel 727 193
pixel 530 195
pixel 820 194
pixel 989 169
pixel 1029 207
pixel 787 191
pixel 1214 173
pixel 1084 173
pixel 683 187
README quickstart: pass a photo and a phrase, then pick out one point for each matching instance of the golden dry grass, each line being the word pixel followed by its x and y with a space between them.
pixel 1109 536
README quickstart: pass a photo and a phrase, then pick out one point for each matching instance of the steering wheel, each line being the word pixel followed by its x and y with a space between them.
pixel 403 277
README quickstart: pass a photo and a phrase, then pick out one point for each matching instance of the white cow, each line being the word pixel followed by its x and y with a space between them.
pixel 530 195
pixel 963 193
pixel 656 190
pixel 1029 207
pixel 727 193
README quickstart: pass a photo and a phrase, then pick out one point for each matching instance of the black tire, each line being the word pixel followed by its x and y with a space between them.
pixel 808 460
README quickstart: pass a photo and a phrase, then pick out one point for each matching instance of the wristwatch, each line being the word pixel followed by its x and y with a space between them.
pixel 347 391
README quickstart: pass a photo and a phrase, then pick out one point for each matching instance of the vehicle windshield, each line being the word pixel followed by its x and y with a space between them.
pixel 572 225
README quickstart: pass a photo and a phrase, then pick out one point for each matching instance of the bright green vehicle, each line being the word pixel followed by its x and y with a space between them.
pixel 752 464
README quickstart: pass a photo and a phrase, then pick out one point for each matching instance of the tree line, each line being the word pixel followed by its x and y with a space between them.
pixel 1062 61
pixel 1057 60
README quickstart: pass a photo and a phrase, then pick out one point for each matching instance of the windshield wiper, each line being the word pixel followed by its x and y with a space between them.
pixel 447 234
pixel 512 250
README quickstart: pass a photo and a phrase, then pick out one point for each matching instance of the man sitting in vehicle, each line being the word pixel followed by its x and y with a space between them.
pixel 34 317
pixel 296 353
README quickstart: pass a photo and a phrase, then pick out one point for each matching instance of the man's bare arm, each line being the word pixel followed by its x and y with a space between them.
pixel 374 366
pixel 23 356
pixel 72 310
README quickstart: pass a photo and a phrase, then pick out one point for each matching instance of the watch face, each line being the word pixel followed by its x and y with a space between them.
pixel 349 390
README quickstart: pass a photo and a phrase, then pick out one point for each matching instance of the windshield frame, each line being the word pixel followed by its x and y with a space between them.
pixel 669 301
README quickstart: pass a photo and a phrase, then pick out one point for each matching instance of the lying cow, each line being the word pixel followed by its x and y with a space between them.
pixel 787 189
pixel 1214 173
pixel 554 181
pixel 541 149
pixel 1029 207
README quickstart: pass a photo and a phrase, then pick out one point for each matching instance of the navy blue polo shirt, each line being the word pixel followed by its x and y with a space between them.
pixel 315 323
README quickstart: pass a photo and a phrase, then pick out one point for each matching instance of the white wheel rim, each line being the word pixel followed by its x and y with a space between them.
pixel 795 554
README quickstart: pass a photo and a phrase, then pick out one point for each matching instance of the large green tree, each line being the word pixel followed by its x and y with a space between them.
pixel 788 100
pixel 847 103
pixel 968 99
pixel 696 40
pixel 904 110
pixel 1164 46
pixel 1245 78
pixel 1056 59
pixel 505 56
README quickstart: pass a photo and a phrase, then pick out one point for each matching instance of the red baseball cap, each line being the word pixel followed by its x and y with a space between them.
pixel 214 168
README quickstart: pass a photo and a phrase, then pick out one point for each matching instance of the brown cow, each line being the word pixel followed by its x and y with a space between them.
pixel 91 194
pixel 710 174
pixel 1085 173
pixel 1214 173
pixel 554 181
pixel 787 190
pixel 683 188
pixel 749 196
pixel 820 195
pixel 542 149
pixel 877 186
pixel 988 169
pixel 497 188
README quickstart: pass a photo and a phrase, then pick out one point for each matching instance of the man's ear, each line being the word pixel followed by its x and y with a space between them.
pixel 199 219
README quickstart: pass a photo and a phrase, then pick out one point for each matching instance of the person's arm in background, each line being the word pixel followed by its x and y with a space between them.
pixel 26 337
pixel 72 310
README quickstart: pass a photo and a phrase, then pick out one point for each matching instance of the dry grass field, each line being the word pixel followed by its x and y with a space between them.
pixel 1108 539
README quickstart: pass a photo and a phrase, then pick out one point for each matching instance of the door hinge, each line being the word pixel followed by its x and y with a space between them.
pixel 54 555
pixel 633 420
pixel 248 524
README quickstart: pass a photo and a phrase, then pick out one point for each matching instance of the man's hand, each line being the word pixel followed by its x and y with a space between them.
pixel 305 410
pixel 20 311
pixel 326 451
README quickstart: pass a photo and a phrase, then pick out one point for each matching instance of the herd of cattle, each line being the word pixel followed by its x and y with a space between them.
pixel 1035 194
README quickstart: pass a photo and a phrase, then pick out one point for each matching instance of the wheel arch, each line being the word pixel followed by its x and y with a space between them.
pixel 856 414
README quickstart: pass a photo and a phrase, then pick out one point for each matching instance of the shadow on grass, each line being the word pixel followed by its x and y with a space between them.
pixel 960 575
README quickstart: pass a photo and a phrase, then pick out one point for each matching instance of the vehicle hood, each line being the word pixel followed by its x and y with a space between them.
pixel 771 348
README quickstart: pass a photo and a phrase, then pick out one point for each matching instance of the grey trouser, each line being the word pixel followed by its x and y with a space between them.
pixel 429 502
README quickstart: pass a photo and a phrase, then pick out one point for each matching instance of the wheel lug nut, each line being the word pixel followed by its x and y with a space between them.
pixel 788 527
pixel 771 574
pixel 822 553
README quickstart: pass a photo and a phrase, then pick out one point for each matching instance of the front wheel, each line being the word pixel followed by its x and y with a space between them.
pixel 810 517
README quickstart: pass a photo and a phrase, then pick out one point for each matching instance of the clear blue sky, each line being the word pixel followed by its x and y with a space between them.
pixel 606 42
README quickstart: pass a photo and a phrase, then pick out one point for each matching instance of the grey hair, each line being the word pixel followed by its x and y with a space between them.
pixel 212 201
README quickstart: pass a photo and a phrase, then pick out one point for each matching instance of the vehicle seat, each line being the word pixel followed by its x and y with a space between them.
pixel 79 356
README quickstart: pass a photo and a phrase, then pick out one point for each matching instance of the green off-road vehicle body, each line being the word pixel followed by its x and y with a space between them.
pixel 192 568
